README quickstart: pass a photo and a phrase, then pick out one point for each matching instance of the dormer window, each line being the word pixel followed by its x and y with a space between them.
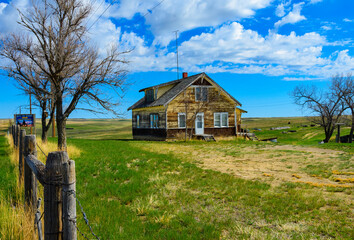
pixel 149 95
pixel 201 94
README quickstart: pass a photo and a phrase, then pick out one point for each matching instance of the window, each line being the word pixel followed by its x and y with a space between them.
pixel 221 119
pixel 181 120
pixel 155 96
pixel 201 94
pixel 154 120
pixel 150 95
pixel 138 121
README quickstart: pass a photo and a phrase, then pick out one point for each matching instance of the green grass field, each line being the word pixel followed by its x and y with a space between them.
pixel 235 189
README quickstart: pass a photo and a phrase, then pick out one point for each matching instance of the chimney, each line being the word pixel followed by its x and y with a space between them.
pixel 185 74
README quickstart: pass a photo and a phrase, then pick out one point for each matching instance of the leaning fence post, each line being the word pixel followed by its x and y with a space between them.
pixel 52 195
pixel 21 154
pixel 69 201
pixel 30 178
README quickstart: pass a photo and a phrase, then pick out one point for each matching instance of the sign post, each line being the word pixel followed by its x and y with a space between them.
pixel 25 120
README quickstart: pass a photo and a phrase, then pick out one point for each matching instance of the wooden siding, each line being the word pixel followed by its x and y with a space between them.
pixel 157 134
pixel 145 117
pixel 162 90
pixel 217 102
pixel 180 133
pixel 239 115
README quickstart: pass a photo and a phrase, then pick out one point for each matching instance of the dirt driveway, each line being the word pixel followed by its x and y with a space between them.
pixel 274 164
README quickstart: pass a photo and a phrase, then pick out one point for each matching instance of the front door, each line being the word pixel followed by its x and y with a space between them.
pixel 199 124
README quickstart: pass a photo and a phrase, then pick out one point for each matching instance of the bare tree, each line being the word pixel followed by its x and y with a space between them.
pixel 21 71
pixel 58 46
pixel 326 107
pixel 343 87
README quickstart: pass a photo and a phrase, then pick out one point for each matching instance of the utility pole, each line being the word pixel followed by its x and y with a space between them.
pixel 177 53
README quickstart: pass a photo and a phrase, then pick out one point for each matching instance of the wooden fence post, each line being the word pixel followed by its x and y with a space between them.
pixel 21 154
pixel 30 178
pixel 13 134
pixel 53 225
pixel 69 201
pixel 18 129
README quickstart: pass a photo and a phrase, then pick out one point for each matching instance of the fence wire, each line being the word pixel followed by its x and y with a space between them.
pixel 41 150
pixel 84 216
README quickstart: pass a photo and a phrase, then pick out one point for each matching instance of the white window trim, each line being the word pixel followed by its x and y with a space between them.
pixel 185 120
pixel 221 114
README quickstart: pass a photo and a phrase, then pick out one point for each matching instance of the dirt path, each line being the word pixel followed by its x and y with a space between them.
pixel 272 164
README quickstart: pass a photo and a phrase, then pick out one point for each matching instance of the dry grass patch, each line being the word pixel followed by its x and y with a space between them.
pixel 274 164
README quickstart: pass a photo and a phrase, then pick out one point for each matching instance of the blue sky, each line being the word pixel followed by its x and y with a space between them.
pixel 257 50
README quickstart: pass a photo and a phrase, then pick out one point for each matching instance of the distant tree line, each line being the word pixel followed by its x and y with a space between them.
pixel 330 106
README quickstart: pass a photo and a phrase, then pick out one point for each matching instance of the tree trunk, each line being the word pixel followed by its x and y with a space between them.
pixel 328 133
pixel 352 129
pixel 61 124
pixel 44 127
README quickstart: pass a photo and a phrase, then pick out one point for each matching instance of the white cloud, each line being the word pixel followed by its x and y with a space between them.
pixel 233 44
pixel 315 1
pixel 292 17
pixel 348 20
pixel 9 15
pixel 326 28
pixel 229 48
pixel 2 6
pixel 282 8
pixel 280 11
pixel 186 14
pixel 302 78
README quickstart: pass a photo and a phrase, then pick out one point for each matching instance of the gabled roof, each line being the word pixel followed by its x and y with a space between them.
pixel 181 84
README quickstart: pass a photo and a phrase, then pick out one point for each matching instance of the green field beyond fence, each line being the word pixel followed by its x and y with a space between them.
pixel 234 189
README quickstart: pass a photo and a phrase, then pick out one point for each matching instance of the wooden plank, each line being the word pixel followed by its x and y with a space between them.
pixel 37 167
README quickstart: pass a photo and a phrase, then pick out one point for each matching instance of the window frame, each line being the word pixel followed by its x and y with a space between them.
pixel 138 121
pixel 221 114
pixel 151 96
pixel 206 90
pixel 185 120
pixel 154 121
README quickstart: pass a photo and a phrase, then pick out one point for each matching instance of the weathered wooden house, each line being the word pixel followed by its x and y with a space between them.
pixel 195 104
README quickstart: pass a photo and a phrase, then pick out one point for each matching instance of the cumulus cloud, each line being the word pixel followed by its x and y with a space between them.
pixel 348 20
pixel 232 43
pixel 282 8
pixel 9 15
pixel 186 14
pixel 225 47
pixel 292 17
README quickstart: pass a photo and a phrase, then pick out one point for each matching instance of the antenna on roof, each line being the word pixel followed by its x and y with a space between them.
pixel 177 53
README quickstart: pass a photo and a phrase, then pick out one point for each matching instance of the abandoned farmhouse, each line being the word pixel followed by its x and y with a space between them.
pixel 196 104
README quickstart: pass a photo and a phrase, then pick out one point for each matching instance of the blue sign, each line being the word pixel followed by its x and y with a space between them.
pixel 25 120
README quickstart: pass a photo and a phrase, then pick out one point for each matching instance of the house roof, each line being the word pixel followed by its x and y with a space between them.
pixel 168 96
pixel 241 110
